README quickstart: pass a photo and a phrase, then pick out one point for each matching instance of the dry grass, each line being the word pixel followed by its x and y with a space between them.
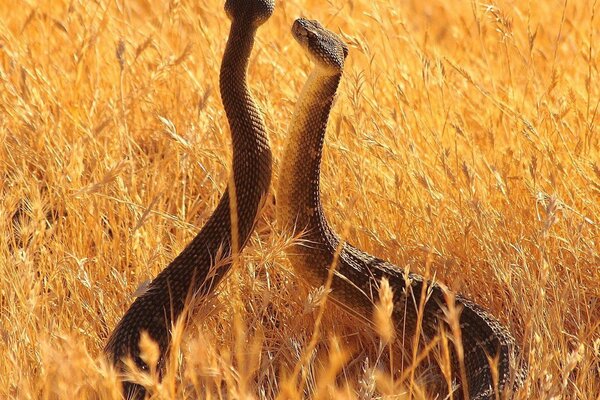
pixel 464 130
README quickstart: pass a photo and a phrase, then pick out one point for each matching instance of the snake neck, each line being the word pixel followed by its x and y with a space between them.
pixel 245 120
pixel 298 195
pixel 251 152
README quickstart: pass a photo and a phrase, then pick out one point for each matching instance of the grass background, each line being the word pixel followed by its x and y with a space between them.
pixel 463 131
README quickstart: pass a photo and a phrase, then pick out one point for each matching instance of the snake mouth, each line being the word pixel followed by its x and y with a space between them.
pixel 300 31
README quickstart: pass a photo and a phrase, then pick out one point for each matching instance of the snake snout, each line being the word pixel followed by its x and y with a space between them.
pixel 255 11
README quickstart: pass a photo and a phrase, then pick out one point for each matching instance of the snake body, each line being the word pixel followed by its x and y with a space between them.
pixel 225 233
pixel 358 275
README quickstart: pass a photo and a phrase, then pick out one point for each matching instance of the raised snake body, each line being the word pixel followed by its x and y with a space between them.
pixel 225 233
pixel 358 275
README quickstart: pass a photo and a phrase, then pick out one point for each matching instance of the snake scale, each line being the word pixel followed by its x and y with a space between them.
pixel 357 275
pixel 225 233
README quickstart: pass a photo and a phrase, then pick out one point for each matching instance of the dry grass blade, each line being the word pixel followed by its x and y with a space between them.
pixel 464 132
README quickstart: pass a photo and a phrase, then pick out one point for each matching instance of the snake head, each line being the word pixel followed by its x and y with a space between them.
pixel 325 48
pixel 256 12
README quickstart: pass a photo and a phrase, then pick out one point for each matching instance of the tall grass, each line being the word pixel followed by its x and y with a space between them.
pixel 465 132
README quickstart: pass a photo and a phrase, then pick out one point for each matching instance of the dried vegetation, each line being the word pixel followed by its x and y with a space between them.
pixel 465 132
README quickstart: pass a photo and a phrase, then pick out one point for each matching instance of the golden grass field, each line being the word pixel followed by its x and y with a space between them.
pixel 464 132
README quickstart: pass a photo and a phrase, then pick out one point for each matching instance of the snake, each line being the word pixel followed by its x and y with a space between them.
pixel 357 276
pixel 203 263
